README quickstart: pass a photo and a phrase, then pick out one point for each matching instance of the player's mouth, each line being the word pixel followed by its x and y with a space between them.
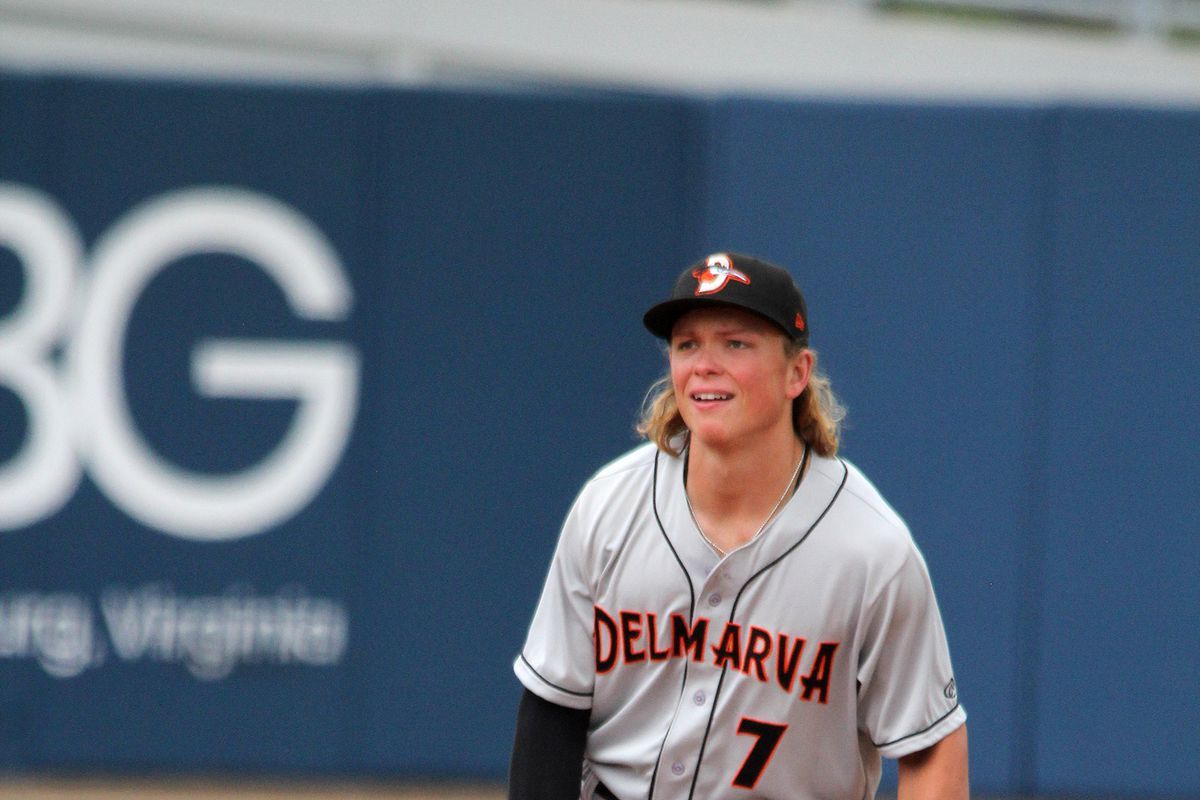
pixel 706 397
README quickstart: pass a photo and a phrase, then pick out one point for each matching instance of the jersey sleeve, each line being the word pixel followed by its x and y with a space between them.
pixel 557 662
pixel 908 698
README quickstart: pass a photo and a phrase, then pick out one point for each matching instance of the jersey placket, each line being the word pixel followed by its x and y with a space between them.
pixel 682 752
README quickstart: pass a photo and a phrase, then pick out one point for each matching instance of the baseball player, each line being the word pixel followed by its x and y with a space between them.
pixel 733 611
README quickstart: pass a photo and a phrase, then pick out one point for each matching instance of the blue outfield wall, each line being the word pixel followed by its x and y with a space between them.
pixel 1119 662
pixel 296 386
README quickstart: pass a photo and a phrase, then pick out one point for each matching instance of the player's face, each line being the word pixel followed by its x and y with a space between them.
pixel 734 381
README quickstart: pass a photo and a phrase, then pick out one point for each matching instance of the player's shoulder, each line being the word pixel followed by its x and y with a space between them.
pixel 859 505
pixel 860 490
pixel 638 460
pixel 612 499
pixel 628 473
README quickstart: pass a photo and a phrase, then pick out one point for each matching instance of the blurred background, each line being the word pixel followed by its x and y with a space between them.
pixel 314 317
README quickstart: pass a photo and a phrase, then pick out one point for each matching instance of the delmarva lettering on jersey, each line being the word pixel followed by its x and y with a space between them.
pixel 633 637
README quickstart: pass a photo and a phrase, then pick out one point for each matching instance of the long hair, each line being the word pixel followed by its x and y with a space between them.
pixel 817 414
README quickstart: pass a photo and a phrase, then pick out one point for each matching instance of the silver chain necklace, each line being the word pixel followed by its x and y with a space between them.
pixel 778 503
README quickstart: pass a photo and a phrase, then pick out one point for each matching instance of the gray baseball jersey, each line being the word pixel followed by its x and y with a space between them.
pixel 784 670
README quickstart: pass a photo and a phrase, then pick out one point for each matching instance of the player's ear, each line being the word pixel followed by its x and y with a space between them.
pixel 800 367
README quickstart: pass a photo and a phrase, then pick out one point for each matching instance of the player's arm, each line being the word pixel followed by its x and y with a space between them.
pixel 547 757
pixel 938 772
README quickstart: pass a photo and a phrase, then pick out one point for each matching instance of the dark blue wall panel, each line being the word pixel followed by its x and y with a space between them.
pixel 1120 640
pixel 108 147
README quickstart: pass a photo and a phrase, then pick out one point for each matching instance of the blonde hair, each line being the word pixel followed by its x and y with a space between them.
pixel 817 414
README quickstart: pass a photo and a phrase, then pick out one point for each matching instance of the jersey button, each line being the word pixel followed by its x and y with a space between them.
pixel 677 768
pixel 714 600
pixel 698 698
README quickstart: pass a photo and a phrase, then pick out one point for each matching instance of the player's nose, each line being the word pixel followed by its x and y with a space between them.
pixel 705 361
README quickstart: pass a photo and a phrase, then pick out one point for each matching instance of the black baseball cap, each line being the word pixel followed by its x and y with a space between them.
pixel 733 279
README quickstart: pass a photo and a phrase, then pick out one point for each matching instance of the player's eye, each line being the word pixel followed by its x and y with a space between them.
pixel 738 344
pixel 683 344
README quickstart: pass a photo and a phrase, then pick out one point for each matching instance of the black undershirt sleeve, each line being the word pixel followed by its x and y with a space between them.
pixel 547 756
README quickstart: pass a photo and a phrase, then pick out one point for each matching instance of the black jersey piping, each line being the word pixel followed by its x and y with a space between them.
pixel 551 684
pixel 662 529
pixel 790 550
pixel 936 722
pixel 733 615
pixel 691 611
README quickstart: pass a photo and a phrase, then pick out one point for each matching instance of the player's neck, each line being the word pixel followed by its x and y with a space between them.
pixel 733 491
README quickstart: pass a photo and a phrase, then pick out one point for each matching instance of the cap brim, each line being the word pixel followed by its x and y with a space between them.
pixel 661 319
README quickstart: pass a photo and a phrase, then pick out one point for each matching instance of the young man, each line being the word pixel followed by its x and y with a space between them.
pixel 732 610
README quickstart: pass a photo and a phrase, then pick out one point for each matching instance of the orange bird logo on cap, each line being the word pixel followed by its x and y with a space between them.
pixel 717 272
